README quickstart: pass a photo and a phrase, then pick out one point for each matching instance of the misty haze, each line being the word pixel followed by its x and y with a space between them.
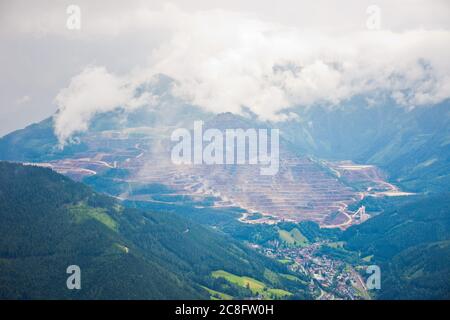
pixel 221 150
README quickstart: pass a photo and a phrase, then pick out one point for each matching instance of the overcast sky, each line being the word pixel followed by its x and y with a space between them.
pixel 222 52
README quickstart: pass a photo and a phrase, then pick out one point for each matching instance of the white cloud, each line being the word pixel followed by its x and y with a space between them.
pixel 223 61
pixel 93 91
pixel 267 68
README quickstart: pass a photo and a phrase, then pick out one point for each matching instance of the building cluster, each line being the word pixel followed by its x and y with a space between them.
pixel 330 278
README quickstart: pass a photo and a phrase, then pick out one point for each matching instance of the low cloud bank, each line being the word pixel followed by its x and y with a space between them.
pixel 223 61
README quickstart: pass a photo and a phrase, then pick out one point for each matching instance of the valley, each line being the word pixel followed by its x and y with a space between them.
pixel 305 188
pixel 330 278
pixel 225 151
pixel 318 217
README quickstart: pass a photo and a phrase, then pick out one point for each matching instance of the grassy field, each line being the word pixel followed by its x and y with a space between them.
pixel 337 244
pixel 255 286
pixel 293 278
pixel 82 212
pixel 216 295
pixel 293 237
pixel 285 261
pixel 277 293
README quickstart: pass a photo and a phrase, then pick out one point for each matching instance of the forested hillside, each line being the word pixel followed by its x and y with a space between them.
pixel 411 244
pixel 412 146
pixel 49 222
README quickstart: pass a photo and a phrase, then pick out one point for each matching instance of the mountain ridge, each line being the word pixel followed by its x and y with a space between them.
pixel 50 222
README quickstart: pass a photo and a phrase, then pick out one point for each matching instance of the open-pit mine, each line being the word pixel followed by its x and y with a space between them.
pixel 305 188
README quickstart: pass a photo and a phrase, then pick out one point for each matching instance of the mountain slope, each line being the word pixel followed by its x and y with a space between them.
pixel 410 242
pixel 420 272
pixel 413 146
pixel 36 142
pixel 49 222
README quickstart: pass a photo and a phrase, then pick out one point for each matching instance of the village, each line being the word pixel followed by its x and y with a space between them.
pixel 331 279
